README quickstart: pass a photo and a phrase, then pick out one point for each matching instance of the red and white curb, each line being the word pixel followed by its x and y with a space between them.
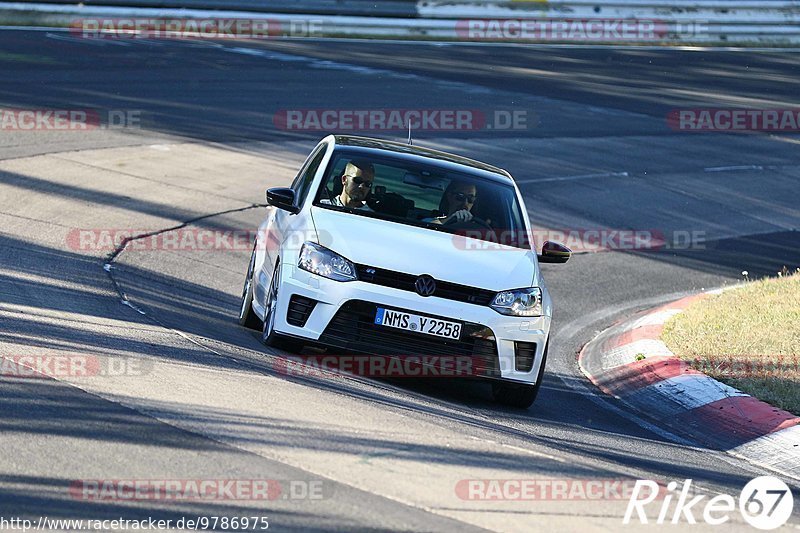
pixel 687 401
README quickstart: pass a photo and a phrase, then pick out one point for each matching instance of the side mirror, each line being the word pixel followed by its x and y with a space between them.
pixel 553 252
pixel 282 198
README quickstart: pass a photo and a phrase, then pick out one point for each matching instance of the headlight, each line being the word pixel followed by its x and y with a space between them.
pixel 519 302
pixel 319 260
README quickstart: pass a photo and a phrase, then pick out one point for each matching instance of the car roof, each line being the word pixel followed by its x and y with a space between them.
pixel 367 146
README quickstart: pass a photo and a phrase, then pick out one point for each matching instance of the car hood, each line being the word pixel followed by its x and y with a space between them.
pixel 414 250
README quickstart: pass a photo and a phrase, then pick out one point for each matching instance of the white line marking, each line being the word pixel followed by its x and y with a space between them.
pixel 658 318
pixel 626 354
pixel 682 393
pixel 734 167
pixel 87 41
pixel 251 52
pixel 581 177
pixel 779 451
pixel 314 62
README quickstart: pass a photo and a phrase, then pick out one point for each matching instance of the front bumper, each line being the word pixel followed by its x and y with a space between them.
pixel 333 297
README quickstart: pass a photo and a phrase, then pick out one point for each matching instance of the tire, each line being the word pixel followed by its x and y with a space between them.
pixel 519 394
pixel 268 334
pixel 247 317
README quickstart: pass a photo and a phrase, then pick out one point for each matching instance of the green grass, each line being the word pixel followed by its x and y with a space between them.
pixel 748 338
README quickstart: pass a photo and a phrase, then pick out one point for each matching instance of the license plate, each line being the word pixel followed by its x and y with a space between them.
pixel 418 324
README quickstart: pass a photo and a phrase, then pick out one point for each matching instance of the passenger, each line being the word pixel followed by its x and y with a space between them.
pixel 456 203
pixel 357 183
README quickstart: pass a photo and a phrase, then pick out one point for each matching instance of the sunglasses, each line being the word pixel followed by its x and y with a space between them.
pixel 460 196
pixel 358 180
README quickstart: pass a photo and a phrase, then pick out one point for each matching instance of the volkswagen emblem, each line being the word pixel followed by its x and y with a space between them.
pixel 425 285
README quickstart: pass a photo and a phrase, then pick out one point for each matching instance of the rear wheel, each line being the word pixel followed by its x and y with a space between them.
pixel 248 317
pixel 268 334
pixel 519 394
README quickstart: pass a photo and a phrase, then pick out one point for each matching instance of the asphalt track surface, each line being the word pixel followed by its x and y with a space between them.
pixel 596 152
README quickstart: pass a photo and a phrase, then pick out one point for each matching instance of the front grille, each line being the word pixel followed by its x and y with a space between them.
pixel 524 353
pixel 405 282
pixel 353 329
pixel 300 309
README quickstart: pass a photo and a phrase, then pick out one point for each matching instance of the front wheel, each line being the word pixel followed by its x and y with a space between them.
pixel 268 334
pixel 247 317
pixel 519 395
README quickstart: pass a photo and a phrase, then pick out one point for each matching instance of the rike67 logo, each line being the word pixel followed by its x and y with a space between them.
pixel 765 503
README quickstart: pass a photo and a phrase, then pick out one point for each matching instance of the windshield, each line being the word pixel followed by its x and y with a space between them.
pixel 427 196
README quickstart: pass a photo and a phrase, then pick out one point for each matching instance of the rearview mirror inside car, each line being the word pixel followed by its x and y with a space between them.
pixel 425 181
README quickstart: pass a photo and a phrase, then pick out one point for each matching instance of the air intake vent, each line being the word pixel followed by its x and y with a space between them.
pixel 525 353
pixel 300 309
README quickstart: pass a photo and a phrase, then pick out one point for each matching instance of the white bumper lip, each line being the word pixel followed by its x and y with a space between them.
pixel 331 295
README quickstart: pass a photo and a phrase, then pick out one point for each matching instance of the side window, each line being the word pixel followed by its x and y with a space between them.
pixel 333 185
pixel 302 183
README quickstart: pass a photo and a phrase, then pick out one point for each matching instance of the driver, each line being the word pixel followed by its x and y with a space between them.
pixel 357 182
pixel 456 203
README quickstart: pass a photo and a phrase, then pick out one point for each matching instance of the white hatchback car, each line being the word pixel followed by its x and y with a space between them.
pixel 392 250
